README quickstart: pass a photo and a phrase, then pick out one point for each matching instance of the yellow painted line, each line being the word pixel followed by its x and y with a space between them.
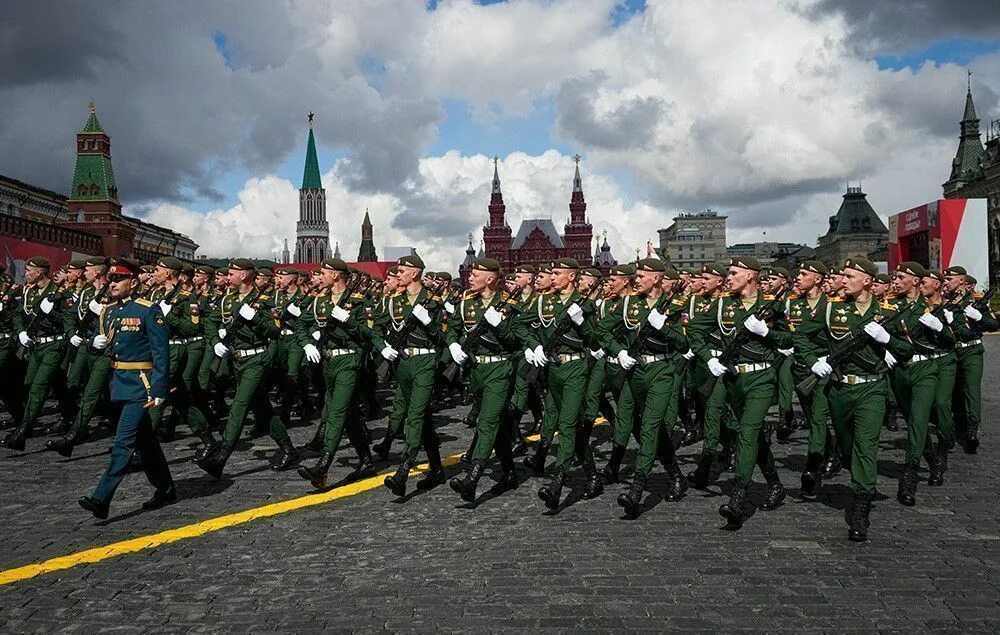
pixel 133 545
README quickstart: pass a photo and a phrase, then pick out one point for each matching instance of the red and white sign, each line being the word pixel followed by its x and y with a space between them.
pixel 941 234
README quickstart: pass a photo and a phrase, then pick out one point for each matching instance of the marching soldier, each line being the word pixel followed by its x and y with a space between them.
pixel 41 324
pixel 10 366
pixel 242 327
pixel 135 331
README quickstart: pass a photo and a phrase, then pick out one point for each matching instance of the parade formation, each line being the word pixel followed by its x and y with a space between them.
pixel 665 357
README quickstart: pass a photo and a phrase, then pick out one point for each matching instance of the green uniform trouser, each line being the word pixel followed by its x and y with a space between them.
pixel 941 413
pixel 519 393
pixel 915 386
pixel 195 358
pixel 43 362
pixel 414 385
pixel 751 395
pixel 786 384
pixel 816 407
pixel 567 383
pixel 654 389
pixel 251 394
pixel 626 422
pixel 340 377
pixel 182 401
pixel 968 391
pixel 490 385
pixel 97 373
pixel 10 391
pixel 595 389
pixel 178 357
pixel 858 412
pixel 717 409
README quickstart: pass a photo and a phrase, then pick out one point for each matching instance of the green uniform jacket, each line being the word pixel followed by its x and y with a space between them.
pixel 31 318
pixel 241 334
pixel 621 327
pixel 720 324
pixel 494 340
pixel 537 325
pixel 396 317
pixel 333 334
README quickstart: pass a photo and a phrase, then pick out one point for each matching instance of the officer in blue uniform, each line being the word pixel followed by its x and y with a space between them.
pixel 136 333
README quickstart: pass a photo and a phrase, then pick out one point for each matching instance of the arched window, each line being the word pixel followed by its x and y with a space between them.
pixel 93 189
pixel 82 190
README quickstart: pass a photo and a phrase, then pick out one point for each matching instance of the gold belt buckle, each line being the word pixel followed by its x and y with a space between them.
pixel 852 379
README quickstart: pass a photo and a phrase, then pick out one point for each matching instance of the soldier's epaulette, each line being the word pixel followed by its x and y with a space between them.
pixel 185 292
pixel 888 306
pixel 632 293
pixel 144 302
pixel 793 296
pixel 977 295
pixel 834 298
pixel 396 294
pixel 468 295
pixel 679 302
pixel 357 296
pixel 263 297
pixel 768 297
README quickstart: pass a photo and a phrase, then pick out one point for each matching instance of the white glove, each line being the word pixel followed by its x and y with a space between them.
pixel 529 356
pixel 949 317
pixel 421 314
pixel 598 354
pixel 877 332
pixel 76 340
pixel 821 368
pixel 656 319
pixel 95 307
pixel 46 305
pixel 756 326
pixel 457 353
pixel 1 306
pixel 787 352
pixel 312 353
pixel 316 335
pixel 340 314
pixel 890 361
pixel 625 360
pixel 973 313
pixel 688 355
pixel 449 307
pixel 389 353
pixel 165 308
pixel 222 334
pixel 575 313
pixel 100 342
pixel 540 355
pixel 294 310
pixel 493 317
pixel 23 338
pixel 247 312
pixel 716 367
pixel 158 401
pixel 220 350
pixel 931 321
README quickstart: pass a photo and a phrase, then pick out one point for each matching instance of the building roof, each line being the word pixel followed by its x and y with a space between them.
pixel 545 225
pixel 310 176
pixel 856 216
pixel 92 125
pixel 93 176
pixel 966 164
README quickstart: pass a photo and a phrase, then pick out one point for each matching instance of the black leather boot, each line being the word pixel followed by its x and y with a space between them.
pixel 15 440
pixel 317 473
pixel 316 443
pixel 676 482
pixel 783 430
pixel 435 476
pixel 611 471
pixel 365 469
pixel 972 437
pixel 214 462
pixel 397 482
pixel 95 507
pixel 936 476
pixel 288 458
pixel 631 499
pixel 64 445
pixel 208 445
pixel 507 482
pixel 536 463
pixel 861 506
pixel 381 448
pixel 907 493
pixel 551 492
pixel 161 499
pixel 698 478
pixel 595 483
pixel 833 465
pixel 812 475
pixel 733 510
pixel 775 492
pixel 466 484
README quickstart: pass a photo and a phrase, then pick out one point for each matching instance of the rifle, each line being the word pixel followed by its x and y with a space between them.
pixel 731 352
pixel 397 339
pixel 531 372
pixel 854 344
pixel 473 336
pixel 217 362
pixel 22 350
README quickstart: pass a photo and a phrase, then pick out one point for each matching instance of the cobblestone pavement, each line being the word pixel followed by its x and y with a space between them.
pixel 372 562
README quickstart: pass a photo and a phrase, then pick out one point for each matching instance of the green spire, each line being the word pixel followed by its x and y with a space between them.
pixel 93 176
pixel 310 177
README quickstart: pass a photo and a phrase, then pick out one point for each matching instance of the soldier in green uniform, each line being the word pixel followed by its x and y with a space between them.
pixel 857 386
pixel 972 319
pixel 915 382
pixel 413 315
pixel 566 335
pixel 41 324
pixel 648 350
pixel 91 367
pixel 288 353
pixel 332 331
pixel 748 382
pixel 947 362
pixel 198 307
pixel 491 354
pixel 242 327
pixel 134 331
pixel 11 394
pixel 776 282
pixel 547 425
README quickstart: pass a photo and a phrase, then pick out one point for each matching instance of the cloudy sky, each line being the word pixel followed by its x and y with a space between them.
pixel 761 110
